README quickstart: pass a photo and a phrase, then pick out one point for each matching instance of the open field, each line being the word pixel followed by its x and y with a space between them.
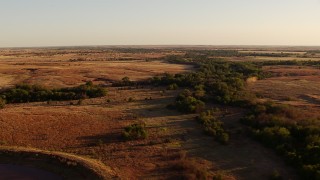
pixel 294 85
pixel 62 74
pixel 94 129
pixel 176 145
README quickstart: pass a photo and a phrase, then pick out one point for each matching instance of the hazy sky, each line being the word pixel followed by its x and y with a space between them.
pixel 159 22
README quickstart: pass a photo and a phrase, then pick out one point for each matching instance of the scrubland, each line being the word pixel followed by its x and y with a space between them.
pixel 167 112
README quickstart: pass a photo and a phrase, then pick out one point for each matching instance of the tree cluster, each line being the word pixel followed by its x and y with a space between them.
pixel 288 132
pixel 186 102
pixel 34 93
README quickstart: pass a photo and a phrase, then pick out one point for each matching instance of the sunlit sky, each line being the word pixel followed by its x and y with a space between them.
pixel 159 22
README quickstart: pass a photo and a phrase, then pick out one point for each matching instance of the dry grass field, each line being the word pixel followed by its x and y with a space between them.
pixel 70 70
pixel 95 128
pixel 176 143
pixel 294 85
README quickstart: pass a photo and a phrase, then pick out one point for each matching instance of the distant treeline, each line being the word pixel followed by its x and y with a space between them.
pixel 291 62
pixel 313 52
pixel 230 53
pixel 211 53
pixel 139 50
pixel 34 93
pixel 280 54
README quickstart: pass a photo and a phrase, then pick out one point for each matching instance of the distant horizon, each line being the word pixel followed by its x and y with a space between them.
pixel 159 45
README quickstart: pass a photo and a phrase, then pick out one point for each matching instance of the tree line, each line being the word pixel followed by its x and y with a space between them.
pixel 23 93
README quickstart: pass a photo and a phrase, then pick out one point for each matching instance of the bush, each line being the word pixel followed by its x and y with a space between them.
pixel 275 176
pixel 125 81
pixel 274 135
pixel 2 103
pixel 131 99
pixel 186 103
pixel 190 169
pixel 134 132
pixel 173 86
pixel 80 102
pixel 213 127
pixel 223 138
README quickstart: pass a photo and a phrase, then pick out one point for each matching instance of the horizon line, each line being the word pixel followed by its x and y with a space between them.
pixel 157 45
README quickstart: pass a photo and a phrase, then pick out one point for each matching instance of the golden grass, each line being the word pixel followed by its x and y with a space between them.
pixel 56 68
pixel 294 85
pixel 94 128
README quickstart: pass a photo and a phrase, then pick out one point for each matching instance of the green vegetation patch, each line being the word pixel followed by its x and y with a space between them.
pixel 285 129
pixel 187 103
pixel 135 131
pixel 213 127
pixel 34 93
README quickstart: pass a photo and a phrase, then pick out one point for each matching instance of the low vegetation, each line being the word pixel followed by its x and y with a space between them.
pixel 187 103
pixel 286 130
pixel 279 127
pixel 125 81
pixel 135 131
pixel 2 103
pixel 213 127
pixel 190 169
pixel 289 62
pixel 34 93
pixel 221 81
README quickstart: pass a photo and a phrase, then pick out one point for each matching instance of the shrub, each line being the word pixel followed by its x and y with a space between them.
pixel 2 103
pixel 125 81
pixel 185 102
pixel 190 169
pixel 134 132
pixel 213 127
pixel 173 86
pixel 80 102
pixel 131 99
pixel 275 176
pixel 223 138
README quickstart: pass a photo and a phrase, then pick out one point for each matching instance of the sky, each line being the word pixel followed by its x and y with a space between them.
pixel 26 23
